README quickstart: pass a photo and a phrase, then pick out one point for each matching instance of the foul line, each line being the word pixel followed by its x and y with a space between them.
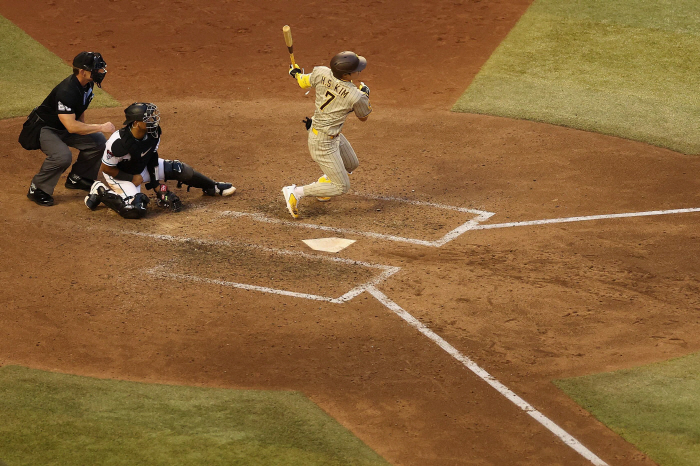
pixel 488 378
pixel 159 270
pixel 370 287
pixel 584 219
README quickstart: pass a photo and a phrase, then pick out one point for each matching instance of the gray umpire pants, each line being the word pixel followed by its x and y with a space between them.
pixel 55 144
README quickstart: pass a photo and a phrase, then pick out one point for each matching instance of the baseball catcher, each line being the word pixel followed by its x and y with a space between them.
pixel 131 160
pixel 336 98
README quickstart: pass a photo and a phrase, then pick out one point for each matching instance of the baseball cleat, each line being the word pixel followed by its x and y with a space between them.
pixel 324 179
pixel 220 189
pixel 39 196
pixel 76 182
pixel 291 200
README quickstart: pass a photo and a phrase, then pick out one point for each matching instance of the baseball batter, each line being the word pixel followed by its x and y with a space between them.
pixel 336 98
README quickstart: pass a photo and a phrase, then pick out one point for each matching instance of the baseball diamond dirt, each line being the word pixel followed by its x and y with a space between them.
pixel 93 294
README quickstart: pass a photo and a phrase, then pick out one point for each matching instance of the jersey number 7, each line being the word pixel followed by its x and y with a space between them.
pixel 330 98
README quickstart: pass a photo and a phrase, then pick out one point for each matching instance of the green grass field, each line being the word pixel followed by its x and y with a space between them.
pixel 28 72
pixel 656 407
pixel 58 419
pixel 628 68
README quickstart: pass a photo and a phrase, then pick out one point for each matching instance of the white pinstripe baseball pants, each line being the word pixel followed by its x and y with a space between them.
pixel 336 158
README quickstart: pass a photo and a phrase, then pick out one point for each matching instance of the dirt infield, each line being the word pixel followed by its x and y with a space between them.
pixel 526 303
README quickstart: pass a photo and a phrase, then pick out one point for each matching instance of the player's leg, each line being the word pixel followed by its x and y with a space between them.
pixel 86 167
pixel 350 161
pixel 183 173
pixel 58 159
pixel 326 153
pixel 123 197
pixel 347 153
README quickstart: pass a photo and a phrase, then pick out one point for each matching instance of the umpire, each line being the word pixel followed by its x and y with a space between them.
pixel 62 116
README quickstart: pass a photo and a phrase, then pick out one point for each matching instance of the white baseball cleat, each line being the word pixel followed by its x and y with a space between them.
pixel 291 200
pixel 220 189
pixel 225 189
pixel 324 179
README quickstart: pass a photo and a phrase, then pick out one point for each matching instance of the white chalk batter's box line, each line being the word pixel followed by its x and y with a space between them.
pixel 160 270
pixel 481 216
pixel 370 287
pixel 471 225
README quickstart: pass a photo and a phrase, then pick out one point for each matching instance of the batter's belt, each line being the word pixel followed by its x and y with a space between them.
pixel 323 134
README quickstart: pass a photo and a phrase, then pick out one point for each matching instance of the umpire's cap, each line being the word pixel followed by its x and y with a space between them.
pixel 89 61
pixel 347 62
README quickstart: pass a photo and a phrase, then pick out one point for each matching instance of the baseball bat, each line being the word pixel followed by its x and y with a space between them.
pixel 287 31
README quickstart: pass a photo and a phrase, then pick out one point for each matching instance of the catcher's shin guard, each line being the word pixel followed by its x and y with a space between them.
pixel 132 210
pixel 183 173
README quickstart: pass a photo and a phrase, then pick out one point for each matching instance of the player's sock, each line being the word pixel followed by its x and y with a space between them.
pixel 299 192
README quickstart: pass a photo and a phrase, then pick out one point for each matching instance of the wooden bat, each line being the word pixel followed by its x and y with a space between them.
pixel 286 30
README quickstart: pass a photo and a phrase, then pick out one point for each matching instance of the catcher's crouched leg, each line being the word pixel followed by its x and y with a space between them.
pixel 183 173
pixel 131 207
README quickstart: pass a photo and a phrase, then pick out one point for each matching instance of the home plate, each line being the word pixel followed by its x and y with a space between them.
pixel 328 244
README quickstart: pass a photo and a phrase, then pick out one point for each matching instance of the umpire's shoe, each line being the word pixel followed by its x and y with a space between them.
pixel 77 182
pixel 220 189
pixel 39 196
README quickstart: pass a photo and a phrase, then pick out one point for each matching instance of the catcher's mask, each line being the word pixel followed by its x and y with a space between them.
pixel 93 62
pixel 346 63
pixel 148 113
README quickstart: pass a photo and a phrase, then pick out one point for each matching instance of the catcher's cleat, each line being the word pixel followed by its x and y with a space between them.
pixel 220 189
pixel 324 179
pixel 291 200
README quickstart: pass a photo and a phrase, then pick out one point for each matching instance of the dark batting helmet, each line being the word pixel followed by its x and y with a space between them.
pixel 93 62
pixel 141 111
pixel 346 63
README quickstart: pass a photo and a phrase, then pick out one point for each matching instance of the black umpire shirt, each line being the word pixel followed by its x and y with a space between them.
pixel 68 97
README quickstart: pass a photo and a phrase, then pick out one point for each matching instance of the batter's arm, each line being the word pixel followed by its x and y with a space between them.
pixel 362 107
pixel 304 80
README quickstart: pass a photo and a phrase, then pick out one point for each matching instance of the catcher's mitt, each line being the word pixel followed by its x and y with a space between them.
pixel 168 199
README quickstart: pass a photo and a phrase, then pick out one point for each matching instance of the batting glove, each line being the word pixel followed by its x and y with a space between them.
pixel 294 70
pixel 364 88
pixel 307 122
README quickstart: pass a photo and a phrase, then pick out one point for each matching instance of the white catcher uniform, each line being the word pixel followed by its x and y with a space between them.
pixel 117 153
pixel 335 100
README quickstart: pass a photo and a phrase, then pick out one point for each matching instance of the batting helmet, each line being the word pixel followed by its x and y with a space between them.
pixel 93 62
pixel 346 63
pixel 141 111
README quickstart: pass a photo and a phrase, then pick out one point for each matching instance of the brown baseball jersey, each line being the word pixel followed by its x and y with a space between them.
pixel 335 100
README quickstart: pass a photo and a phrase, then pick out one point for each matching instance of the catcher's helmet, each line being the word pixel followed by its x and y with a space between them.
pixel 347 62
pixel 141 111
pixel 91 61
